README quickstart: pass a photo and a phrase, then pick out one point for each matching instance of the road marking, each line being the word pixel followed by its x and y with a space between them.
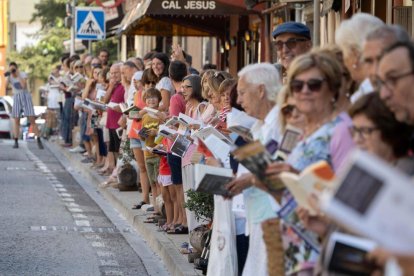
pixel 82 223
pixel 61 190
pixel 71 204
pixel 65 195
pixel 109 263
pixel 75 210
pixel 68 199
pixel 105 253
pixel 79 216
pixel 113 273
pixel 98 244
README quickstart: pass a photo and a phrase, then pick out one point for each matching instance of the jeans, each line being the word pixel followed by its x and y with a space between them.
pixel 67 121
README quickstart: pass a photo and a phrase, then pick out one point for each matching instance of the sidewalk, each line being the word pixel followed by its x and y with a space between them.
pixel 164 245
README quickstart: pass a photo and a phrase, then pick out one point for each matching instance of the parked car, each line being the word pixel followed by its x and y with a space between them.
pixel 6 123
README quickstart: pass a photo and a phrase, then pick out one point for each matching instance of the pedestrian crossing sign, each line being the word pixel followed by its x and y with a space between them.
pixel 90 23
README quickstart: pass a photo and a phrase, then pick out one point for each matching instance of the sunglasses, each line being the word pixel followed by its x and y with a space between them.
pixel 290 43
pixel 287 109
pixel 96 65
pixel 314 85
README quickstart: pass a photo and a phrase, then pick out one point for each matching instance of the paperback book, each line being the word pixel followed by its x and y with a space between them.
pixel 212 180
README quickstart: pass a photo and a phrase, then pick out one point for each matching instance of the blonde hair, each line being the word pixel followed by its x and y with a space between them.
pixel 326 63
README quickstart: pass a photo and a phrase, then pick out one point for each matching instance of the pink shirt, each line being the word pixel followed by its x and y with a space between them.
pixel 177 106
pixel 341 142
pixel 114 116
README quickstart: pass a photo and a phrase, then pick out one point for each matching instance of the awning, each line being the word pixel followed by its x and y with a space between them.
pixel 179 18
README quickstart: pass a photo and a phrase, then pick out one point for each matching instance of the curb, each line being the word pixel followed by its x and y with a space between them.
pixel 164 245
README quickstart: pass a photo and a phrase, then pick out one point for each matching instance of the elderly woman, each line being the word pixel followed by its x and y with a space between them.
pixel 314 80
pixel 159 65
pixel 351 42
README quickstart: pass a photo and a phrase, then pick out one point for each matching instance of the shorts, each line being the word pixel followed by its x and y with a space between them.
pixel 175 165
pixel 114 141
pixel 165 180
pixel 22 103
pixel 136 143
pixel 152 165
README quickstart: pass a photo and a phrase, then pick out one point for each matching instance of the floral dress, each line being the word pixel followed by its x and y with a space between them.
pixel 300 245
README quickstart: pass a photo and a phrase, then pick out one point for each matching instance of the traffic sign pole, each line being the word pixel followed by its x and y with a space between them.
pixel 73 28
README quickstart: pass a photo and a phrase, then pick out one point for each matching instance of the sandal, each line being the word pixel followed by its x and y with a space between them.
pixel 179 230
pixel 151 220
pixel 139 205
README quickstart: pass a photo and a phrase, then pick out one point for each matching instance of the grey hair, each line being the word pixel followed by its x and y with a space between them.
pixel 352 32
pixel 263 73
pixel 389 34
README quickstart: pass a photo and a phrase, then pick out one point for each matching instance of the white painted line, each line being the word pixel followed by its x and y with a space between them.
pixel 87 230
pixel 61 189
pixel 79 216
pixel 105 254
pixel 35 228
pixel 65 195
pixel 68 199
pixel 75 210
pixel 98 244
pixel 44 228
pixel 82 223
pixel 113 273
pixel 93 237
pixel 109 262
pixel 72 204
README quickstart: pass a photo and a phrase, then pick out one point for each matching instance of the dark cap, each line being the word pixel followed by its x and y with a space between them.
pixel 292 28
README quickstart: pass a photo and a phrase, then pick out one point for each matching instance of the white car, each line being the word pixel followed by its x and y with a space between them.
pixel 6 125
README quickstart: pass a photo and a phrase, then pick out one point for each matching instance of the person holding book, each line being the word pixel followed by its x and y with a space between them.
pixel 159 64
pixel 137 145
pixel 148 133
pixel 257 91
pixel 191 87
pixel 177 72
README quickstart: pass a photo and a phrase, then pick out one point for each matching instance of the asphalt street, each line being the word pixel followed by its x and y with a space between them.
pixel 53 224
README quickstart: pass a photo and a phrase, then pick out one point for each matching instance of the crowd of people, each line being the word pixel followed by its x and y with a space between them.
pixel 355 94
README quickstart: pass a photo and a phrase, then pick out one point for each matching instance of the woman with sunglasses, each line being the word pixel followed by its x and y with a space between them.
pixel 314 81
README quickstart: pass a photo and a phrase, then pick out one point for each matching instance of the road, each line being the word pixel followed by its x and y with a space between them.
pixel 52 225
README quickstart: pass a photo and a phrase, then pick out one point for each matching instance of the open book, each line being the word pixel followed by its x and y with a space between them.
pixel 127 109
pixel 172 121
pixel 347 255
pixel 94 105
pixel 157 151
pixel 180 146
pixel 290 138
pixel 256 159
pixel 375 200
pixel 312 180
pixel 212 180
pixel 205 132
pixel 152 111
pixel 166 132
pixel 241 123
pixel 187 120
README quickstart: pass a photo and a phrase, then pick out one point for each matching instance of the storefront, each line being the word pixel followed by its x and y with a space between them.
pixel 227 23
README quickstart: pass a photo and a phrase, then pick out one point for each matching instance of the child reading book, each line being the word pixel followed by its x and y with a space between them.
pixel 148 133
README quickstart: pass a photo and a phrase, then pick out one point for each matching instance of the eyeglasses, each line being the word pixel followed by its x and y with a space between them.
pixel 363 132
pixel 290 43
pixel 96 65
pixel 287 109
pixel 391 81
pixel 314 85
pixel 186 86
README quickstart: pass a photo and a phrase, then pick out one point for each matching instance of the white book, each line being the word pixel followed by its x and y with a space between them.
pixel 241 123
pixel 152 111
pixel 166 132
pixel 212 180
pixel 187 120
pixel 219 148
pixel 205 132
pixel 347 255
pixel 375 200
pixel 112 105
pixel 172 121
pixel 95 104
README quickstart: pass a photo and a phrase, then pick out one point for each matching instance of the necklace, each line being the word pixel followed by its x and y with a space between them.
pixel 309 130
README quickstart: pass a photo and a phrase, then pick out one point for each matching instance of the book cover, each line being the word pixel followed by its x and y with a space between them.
pixel 143 133
pixel 346 254
pixel 212 180
pixel 167 132
pixel 180 146
pixel 241 123
pixel 127 109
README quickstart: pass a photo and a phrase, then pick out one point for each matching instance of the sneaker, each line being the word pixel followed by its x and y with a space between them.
pixel 77 149
pixel 39 143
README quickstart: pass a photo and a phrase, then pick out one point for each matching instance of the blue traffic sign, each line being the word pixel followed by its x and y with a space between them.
pixel 90 23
